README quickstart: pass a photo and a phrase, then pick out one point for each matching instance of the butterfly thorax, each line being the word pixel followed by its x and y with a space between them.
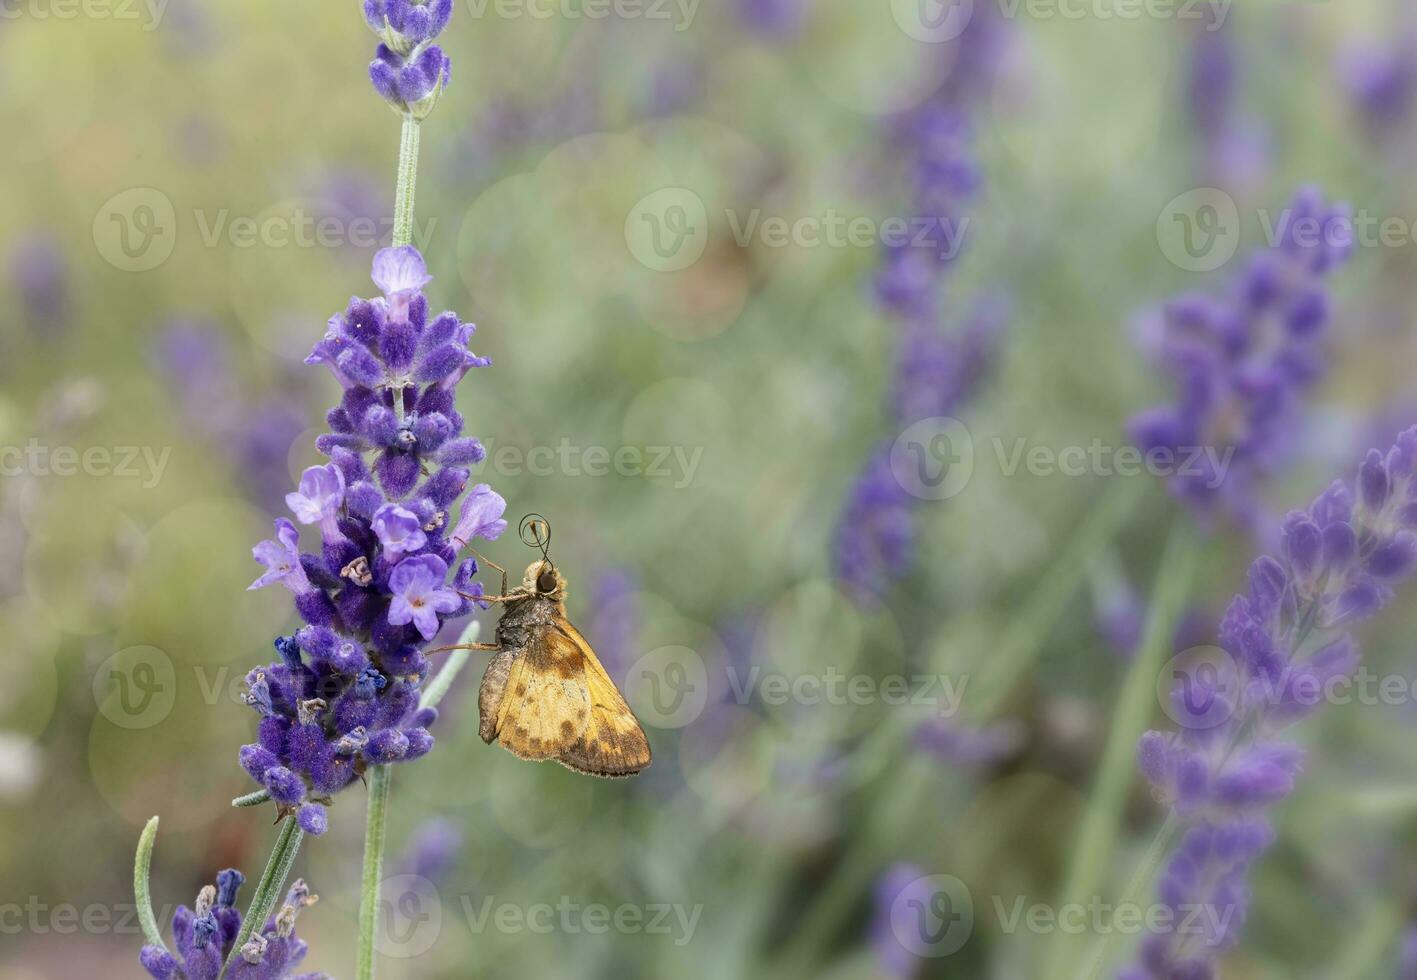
pixel 522 618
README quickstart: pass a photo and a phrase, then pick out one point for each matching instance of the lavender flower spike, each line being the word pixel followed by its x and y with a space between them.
pixel 204 936
pixel 386 576
pixel 1287 644
pixel 1243 362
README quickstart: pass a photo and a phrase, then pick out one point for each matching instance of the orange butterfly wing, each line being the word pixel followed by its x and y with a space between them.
pixel 554 700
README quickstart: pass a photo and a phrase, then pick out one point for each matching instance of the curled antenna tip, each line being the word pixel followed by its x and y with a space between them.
pixel 535 532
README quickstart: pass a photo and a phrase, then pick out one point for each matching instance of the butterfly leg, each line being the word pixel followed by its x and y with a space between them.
pixel 492 564
pixel 489 598
pixel 466 646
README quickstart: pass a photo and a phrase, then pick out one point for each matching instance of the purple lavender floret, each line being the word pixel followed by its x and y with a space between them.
pixel 411 20
pixel 408 70
pixel 204 936
pixel 898 885
pixel 410 83
pixel 1380 80
pixel 433 850
pixel 1407 964
pixel 875 539
pixel 1288 645
pixel 775 20
pixel 387 577
pixel 1242 363
pixel 39 272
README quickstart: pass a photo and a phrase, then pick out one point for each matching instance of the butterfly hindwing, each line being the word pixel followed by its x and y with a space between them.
pixel 613 743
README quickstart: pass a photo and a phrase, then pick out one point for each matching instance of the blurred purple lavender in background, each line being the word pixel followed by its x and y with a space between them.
pixel 937 372
pixel 39 272
pixel 875 539
pixel 776 20
pixel 970 747
pixel 615 620
pixel 1234 147
pixel 937 369
pixel 195 359
pixel 1242 364
pixel 432 851
pixel 1285 647
pixel 1379 78
pixel 894 889
pixel 1407 962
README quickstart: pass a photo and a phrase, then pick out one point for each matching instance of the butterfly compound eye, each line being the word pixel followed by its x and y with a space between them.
pixel 546 581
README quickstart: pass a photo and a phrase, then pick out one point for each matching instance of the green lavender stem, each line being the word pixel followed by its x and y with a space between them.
pixel 1094 846
pixel 407 182
pixel 142 894
pixel 376 832
pixel 1141 881
pixel 377 817
pixel 269 887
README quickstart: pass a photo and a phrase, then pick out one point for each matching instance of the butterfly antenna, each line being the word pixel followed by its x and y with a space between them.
pixel 535 532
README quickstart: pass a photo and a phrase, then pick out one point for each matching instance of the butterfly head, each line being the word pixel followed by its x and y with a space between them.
pixel 543 580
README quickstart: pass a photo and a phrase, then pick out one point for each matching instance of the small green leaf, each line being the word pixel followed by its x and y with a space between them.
pixel 142 894
pixel 252 799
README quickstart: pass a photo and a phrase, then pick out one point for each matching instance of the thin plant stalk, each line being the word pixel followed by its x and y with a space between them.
pixel 1094 845
pixel 268 889
pixel 376 818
